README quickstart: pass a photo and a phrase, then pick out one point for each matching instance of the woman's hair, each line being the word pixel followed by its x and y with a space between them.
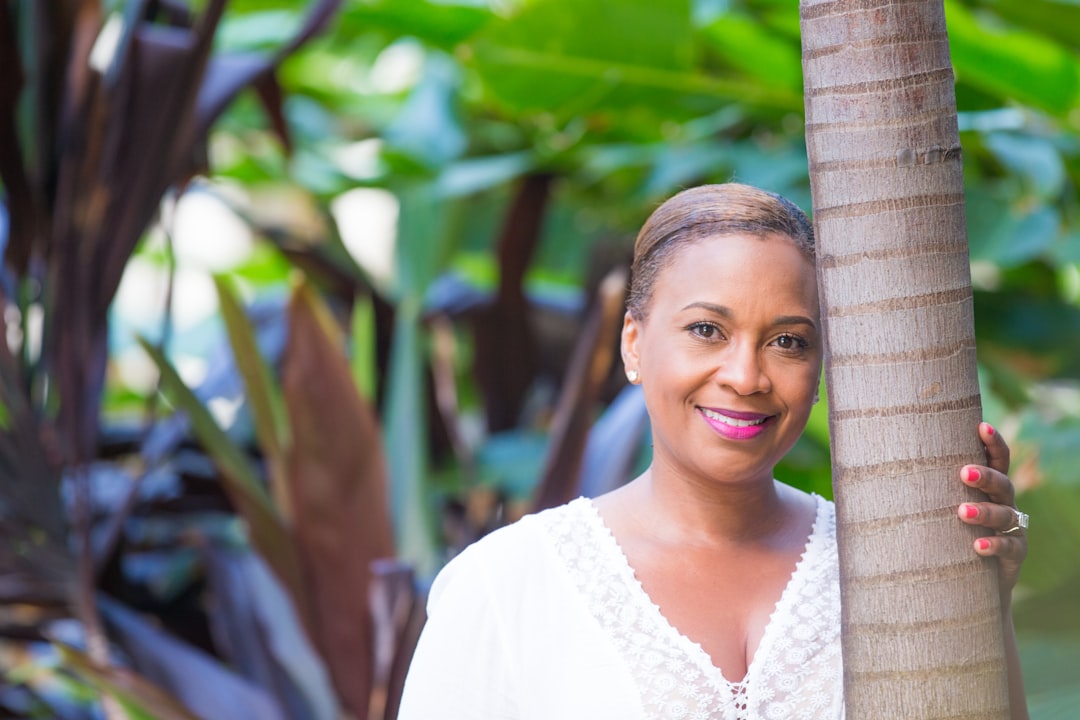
pixel 708 211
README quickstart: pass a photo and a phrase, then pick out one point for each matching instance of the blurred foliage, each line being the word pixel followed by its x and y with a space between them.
pixel 381 313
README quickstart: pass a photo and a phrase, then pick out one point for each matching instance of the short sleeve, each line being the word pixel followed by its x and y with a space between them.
pixel 462 667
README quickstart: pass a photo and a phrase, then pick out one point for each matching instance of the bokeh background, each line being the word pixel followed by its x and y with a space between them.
pixel 300 298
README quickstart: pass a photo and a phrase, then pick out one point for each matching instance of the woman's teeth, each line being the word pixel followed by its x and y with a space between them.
pixel 733 422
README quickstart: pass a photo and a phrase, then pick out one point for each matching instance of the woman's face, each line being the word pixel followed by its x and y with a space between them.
pixel 729 356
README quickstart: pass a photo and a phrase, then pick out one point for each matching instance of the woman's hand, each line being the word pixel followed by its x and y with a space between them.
pixel 999 513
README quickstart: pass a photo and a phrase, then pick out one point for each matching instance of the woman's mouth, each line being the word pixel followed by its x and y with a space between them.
pixel 736 425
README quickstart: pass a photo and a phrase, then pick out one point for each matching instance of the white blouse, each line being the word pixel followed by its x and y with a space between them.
pixel 544 619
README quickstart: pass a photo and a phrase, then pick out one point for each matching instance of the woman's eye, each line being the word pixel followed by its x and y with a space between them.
pixel 791 342
pixel 704 331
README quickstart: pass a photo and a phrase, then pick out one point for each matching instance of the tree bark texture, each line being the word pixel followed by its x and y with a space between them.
pixel 921 617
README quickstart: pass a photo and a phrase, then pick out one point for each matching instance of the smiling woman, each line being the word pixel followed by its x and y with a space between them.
pixel 730 347
pixel 704 588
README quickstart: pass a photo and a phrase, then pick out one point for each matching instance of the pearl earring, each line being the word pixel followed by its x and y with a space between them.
pixel 632 376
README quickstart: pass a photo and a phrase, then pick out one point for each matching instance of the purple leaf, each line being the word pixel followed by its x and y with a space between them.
pixel 202 683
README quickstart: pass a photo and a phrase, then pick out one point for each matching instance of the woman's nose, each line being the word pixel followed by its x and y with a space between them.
pixel 741 370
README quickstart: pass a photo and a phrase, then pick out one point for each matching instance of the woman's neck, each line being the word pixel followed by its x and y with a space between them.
pixel 692 513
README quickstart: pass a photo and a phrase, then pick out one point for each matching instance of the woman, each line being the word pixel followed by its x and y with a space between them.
pixel 704 588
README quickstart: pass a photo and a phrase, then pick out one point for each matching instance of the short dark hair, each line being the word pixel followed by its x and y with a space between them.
pixel 708 211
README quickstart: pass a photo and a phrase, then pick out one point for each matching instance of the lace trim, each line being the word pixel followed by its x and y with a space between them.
pixel 796 671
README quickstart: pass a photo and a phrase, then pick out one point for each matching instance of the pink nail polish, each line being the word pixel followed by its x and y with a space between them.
pixel 971 475
pixel 970 511
pixel 989 428
pixel 982 544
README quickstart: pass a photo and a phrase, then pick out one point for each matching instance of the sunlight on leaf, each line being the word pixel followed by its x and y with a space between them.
pixel 262 393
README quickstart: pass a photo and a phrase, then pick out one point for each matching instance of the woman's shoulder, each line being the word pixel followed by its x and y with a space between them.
pixel 817 505
pixel 514 553
pixel 525 534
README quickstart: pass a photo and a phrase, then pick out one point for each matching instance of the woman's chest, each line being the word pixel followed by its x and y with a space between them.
pixel 723 603
pixel 795 669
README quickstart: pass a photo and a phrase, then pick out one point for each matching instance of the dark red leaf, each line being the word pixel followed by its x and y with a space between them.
pixel 272 99
pixel 504 343
pixel 398 612
pixel 258 633
pixel 589 366
pixel 232 73
pixel 226 75
pixel 12 169
pixel 337 481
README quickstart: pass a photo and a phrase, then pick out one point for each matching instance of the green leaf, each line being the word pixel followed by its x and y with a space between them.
pixel 1067 249
pixel 362 353
pixel 240 480
pixel 405 414
pixel 757 51
pixel 474 174
pixel 1053 537
pixel 1038 337
pixel 263 394
pixel 1012 63
pixel 1036 159
pixel 1008 236
pixel 442 24
pixel 1049 660
pixel 264 30
pixel 423 245
pixel 545 59
pixel 1055 443
pixel 680 165
pixel 241 474
pixel 653 34
pixel 427 128
pixel 264 267
pixel 1057 19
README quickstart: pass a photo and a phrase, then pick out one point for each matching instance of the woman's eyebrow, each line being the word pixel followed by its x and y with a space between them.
pixel 725 311
pixel 794 320
pixel 717 309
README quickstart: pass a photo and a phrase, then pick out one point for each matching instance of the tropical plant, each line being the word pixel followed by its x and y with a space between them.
pixel 511 149
pixel 105 109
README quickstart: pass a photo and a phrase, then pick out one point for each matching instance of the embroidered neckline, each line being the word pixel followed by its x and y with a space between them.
pixel 691 647
pixel 677 678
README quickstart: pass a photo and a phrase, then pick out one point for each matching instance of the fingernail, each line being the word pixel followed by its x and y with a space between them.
pixel 970 511
pixel 982 544
pixel 971 475
pixel 988 428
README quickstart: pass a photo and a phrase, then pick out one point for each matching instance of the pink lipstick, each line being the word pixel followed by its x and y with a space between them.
pixel 736 425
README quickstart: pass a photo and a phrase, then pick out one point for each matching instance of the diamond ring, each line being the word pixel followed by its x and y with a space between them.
pixel 1021 522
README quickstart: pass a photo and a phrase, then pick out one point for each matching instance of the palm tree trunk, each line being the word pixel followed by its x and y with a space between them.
pixel 921 617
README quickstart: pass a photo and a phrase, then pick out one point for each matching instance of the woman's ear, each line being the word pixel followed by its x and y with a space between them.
pixel 628 347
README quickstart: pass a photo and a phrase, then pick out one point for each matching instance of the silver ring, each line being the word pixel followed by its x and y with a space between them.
pixel 1022 520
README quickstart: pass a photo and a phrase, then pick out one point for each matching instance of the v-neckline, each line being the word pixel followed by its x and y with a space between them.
pixel 692 649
